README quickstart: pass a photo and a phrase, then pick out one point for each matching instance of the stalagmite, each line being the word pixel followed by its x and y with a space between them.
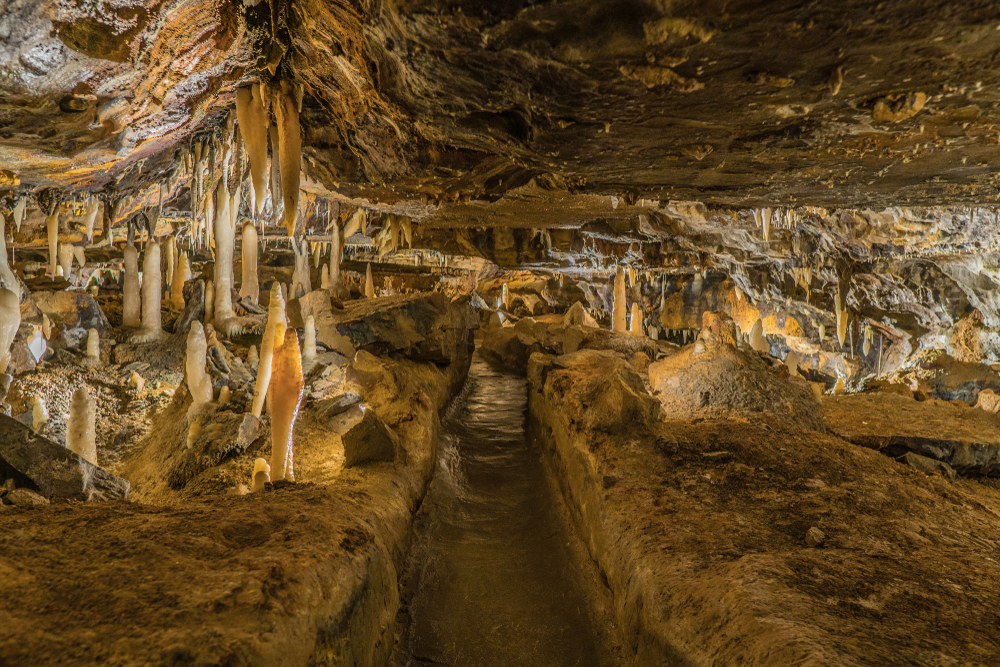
pixel 369 284
pixel 336 253
pixel 286 393
pixel 868 339
pixel 505 296
pixel 131 305
pixel 839 388
pixel 171 253
pixel 252 358
pixel 324 277
pixel 289 151
pixel 757 340
pixel 261 475
pixel 275 318
pixel 10 320
pixel 66 258
pixel 209 302
pixel 792 362
pixel 249 286
pixel 253 128
pixel 137 382
pixel 93 344
pixel 301 283
pixel 39 414
pixel 7 278
pixel 81 433
pixel 198 381
pixel 309 343
pixel 52 224
pixel 225 395
pixel 152 298
pixel 182 274
pixel 635 322
pixel 619 308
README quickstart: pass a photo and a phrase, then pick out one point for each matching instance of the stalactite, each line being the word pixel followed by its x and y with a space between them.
pixel 249 286
pixel 19 212
pixel 619 308
pixel 253 127
pixel 289 151
pixel 131 305
pixel 66 259
pixel 757 340
pixel 81 432
pixel 93 207
pixel 336 254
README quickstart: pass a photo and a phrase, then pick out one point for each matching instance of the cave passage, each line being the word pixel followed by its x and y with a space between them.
pixel 493 578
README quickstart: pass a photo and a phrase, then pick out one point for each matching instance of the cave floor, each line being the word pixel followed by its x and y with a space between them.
pixel 496 576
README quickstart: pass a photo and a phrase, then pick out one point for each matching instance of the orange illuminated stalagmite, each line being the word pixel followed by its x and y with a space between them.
pixel 286 394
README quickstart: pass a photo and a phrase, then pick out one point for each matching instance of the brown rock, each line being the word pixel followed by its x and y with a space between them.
pixel 815 537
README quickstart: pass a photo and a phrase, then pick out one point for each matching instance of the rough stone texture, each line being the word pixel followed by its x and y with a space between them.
pixel 701 550
pixel 224 435
pixel 714 377
pixel 423 327
pixel 966 439
pixel 52 469
pixel 366 439
pixel 73 315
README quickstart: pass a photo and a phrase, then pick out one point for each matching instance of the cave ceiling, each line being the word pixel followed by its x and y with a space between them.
pixel 453 105
pixel 564 135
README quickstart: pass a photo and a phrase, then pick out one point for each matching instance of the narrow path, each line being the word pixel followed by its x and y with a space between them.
pixel 494 578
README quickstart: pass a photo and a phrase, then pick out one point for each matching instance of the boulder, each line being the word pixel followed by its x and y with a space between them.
pixel 317 304
pixel 615 396
pixel 73 314
pixel 989 401
pixel 508 348
pixel 578 315
pixel 423 327
pixel 928 465
pixel 223 436
pixel 25 498
pixel 366 438
pixel 54 471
